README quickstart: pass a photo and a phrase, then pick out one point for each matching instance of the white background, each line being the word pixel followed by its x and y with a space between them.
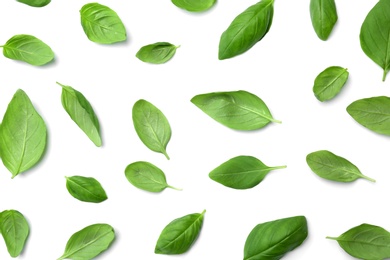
pixel 280 69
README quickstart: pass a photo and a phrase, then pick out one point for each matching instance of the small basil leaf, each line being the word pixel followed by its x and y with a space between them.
pixel 101 24
pixel 29 49
pixel 374 35
pixel 22 135
pixel 246 30
pixel 365 242
pixel 372 113
pixel 15 230
pixel 238 110
pixel 329 83
pixel 329 166
pixel 35 3
pixel 272 240
pixel 81 112
pixel 323 17
pixel 85 189
pixel 241 172
pixel 151 126
pixel 157 53
pixel 179 235
pixel 89 242
pixel 147 176
pixel 194 5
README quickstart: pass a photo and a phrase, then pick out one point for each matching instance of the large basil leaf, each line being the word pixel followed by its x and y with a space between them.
pixel 246 29
pixel 375 35
pixel 238 110
pixel 85 189
pixel 22 135
pixel 14 229
pixel 89 242
pixel 194 5
pixel 151 126
pixel 323 17
pixel 365 242
pixel 179 235
pixel 329 166
pixel 241 172
pixel 35 3
pixel 157 53
pixel 81 112
pixel 372 113
pixel 147 176
pixel 101 24
pixel 29 49
pixel 330 82
pixel 272 240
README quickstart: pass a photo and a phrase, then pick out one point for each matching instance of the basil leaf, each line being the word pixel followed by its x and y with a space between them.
pixel 238 110
pixel 22 135
pixel 329 166
pixel 157 53
pixel 29 49
pixel 151 126
pixel 374 35
pixel 329 83
pixel 101 24
pixel 323 17
pixel 179 235
pixel 14 229
pixel 372 113
pixel 147 176
pixel 365 242
pixel 272 240
pixel 85 189
pixel 89 242
pixel 81 112
pixel 194 5
pixel 246 29
pixel 241 172
pixel 35 3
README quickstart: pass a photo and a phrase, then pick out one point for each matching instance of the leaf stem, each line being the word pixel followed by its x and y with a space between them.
pixel 178 46
pixel 204 211
pixel 275 121
pixel 368 178
pixel 384 75
pixel 60 84
pixel 278 167
pixel 165 153
pixel 174 188
pixel 1 46
pixel 332 238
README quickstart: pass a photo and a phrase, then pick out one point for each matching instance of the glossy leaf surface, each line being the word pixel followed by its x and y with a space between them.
pixel 35 3
pixel 194 5
pixel 15 230
pixel 323 17
pixel 85 189
pixel 157 53
pixel 329 83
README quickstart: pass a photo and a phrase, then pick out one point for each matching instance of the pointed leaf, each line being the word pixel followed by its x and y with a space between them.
pixel 15 230
pixel 22 135
pixel 194 5
pixel 179 235
pixel 85 189
pixel 81 112
pixel 151 126
pixel 330 82
pixel 157 53
pixel 241 172
pixel 238 110
pixel 323 17
pixel 35 3
pixel 89 242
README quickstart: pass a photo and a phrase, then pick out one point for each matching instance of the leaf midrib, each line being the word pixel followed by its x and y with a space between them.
pixel 31 53
pixel 333 81
pixel 88 191
pixel 86 17
pixel 243 172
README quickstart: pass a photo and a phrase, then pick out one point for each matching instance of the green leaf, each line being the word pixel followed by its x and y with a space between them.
pixel 81 112
pixel 246 30
pixel 89 242
pixel 375 35
pixel 157 53
pixel 329 83
pixel 29 49
pixel 179 235
pixel 323 17
pixel 194 5
pixel 101 24
pixel 365 242
pixel 332 167
pixel 147 176
pixel 151 126
pixel 35 3
pixel 85 189
pixel 14 229
pixel 272 240
pixel 238 110
pixel 372 113
pixel 22 135
pixel 241 172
